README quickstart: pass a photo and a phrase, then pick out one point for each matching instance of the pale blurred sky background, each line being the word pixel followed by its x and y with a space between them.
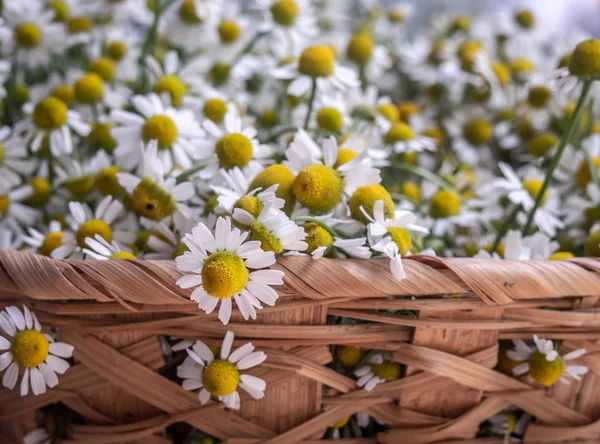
pixel 554 13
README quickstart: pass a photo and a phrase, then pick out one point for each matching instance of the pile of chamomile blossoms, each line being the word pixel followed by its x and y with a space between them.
pixel 224 133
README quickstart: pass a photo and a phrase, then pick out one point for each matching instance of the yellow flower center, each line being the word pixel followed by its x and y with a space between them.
pixel 100 137
pixel 502 72
pixel 219 73
pixel 318 188
pixel 107 182
pixel 585 59
pixel 215 110
pixel 525 19
pixel 251 204
pixel 389 111
pixel 399 132
pixel 316 236
pixel 61 10
pixel 543 371
pixel 541 144
pixel 187 13
pixel 234 150
pixel 402 238
pixel 179 250
pixel 460 23
pixel 21 95
pixel 284 12
pixel 583 172
pixel 505 364
pixel 341 423
pixel 533 187
pixel 65 93
pixel 561 255
pixel 521 66
pixel 160 128
pixel 396 16
pixel 412 191
pixel 4 204
pixel 50 243
pixel 50 113
pixel 224 274
pixel 41 192
pixel 366 197
pixel 220 377
pixel 269 118
pixel 77 25
pixel 90 228
pixel 349 355
pixel 79 186
pixel 229 31
pixel 591 247
pixel 388 370
pixel 317 61
pixel 268 241
pixel 408 109
pixel 89 88
pixel 150 200
pixel 104 67
pixel 283 177
pixel 360 48
pixel 173 86
pixel 330 119
pixel 28 35
pixel 29 348
pixel 477 132
pixel 344 155
pixel 444 204
pixel 122 255
pixel 538 96
pixel 116 50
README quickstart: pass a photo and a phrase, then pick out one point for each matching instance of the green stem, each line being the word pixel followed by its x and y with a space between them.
pixel 182 177
pixel 428 175
pixel 311 102
pixel 50 169
pixel 566 138
pixel 505 227
pixel 247 48
pixel 149 43
pixel 279 131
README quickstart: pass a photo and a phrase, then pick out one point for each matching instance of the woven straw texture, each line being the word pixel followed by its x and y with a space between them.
pixel 112 312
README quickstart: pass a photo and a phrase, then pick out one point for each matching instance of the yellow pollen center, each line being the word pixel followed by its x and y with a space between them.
pixel 160 128
pixel 41 192
pixel 525 19
pixel 388 370
pixel 215 110
pixel 234 150
pixel 187 13
pixel 341 423
pixel 396 16
pixel 61 10
pixel 533 187
pixel 100 137
pixel 284 12
pixel 29 348
pixel 543 371
pixel 150 200
pixel 79 186
pixel 561 255
pixel 541 144
pixel 349 355
pixel 122 255
pixel 316 236
pixel 107 181
pixel 583 172
pixel 412 191
pixel 591 247
pixel 64 93
pixel 360 49
pixel 77 25
pixel 344 155
pixel 330 119
pixel 4 205
pixel 521 66
pixel 251 204
pixel 50 243
pixel 317 61
pixel 477 132
pixel 220 377
pixel 389 111
pixel 585 59
pixel 283 177
pixel 219 73
pixel 90 228
pixel 399 132
pixel 28 35
pixel 366 197
pixel 538 96
pixel 318 188
pixel 89 88
pixel 104 67
pixel 268 241
pixel 116 50
pixel 402 238
pixel 269 118
pixel 229 31
pixel 460 23
pixel 444 204
pixel 173 86
pixel 21 95
pixel 502 73
pixel 224 275
pixel 50 113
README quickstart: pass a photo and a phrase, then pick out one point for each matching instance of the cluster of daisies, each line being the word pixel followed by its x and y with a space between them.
pixel 225 133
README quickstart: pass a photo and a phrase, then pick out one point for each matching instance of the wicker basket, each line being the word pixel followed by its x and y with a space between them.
pixel 113 312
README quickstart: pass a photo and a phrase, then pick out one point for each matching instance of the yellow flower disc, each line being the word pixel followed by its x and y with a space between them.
pixel 366 197
pixel 402 238
pixel 316 236
pixel 234 150
pixel 318 188
pixel 317 61
pixel 388 370
pixel 173 86
pixel 116 50
pixel 399 132
pixel 224 274
pixel 591 247
pixel 41 192
pixel 541 144
pixel 229 31
pixel 160 128
pixel 150 200
pixel 50 113
pixel 561 255
pixel 50 243
pixel 79 186
pixel 583 172
pixel 187 13
pixel 100 137
pixel 330 119
pixel 122 255
pixel 220 377
pixel 4 205
pixel 360 48
pixel 543 371
pixel 284 12
pixel 107 182
pixel 29 348
pixel 65 93
pixel 349 355
pixel 585 59
pixel 283 177
pixel 444 204
pixel 268 241
pixel 251 204
pixel 533 187
pixel 344 155
pixel 538 96
pixel 104 67
pixel 77 25
pixel 215 110
pixel 219 73
pixel 89 88
pixel 28 35
pixel 90 228
pixel 477 132
pixel 389 111
pixel 61 10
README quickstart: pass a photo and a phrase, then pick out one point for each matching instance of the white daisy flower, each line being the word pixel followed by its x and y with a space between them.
pixel 377 370
pixel 544 364
pixel 98 248
pixel 10 239
pixel 37 354
pixel 185 20
pixel 175 131
pixel 46 242
pixel 15 160
pixel 234 184
pixel 356 248
pixel 220 376
pixel 220 265
pixel 164 243
pixel 13 210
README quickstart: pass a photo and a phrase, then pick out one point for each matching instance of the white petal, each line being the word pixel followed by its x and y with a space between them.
pixel 203 351
pixel 49 375
pixel 61 349
pixel 226 346
pixel 38 386
pixel 58 365
pixel 225 311
pixel 241 352
pixel 253 359
pixel 203 396
pixel 25 383
pixel 9 380
pixel 17 317
pixel 4 343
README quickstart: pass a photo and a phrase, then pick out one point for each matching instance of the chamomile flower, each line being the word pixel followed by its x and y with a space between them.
pixel 45 242
pixel 15 161
pixel 35 353
pixel 377 370
pixel 471 133
pixel 185 20
pixel 401 137
pixel 316 64
pixel 13 210
pixel 219 376
pixel 235 189
pixel 544 364
pixel 174 131
pixel 164 243
pixel 98 248
pixel 221 267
